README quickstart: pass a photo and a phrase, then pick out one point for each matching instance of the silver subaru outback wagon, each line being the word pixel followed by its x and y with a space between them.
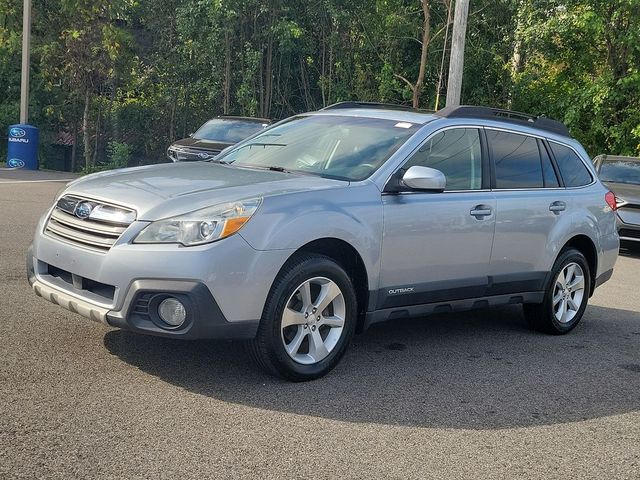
pixel 330 221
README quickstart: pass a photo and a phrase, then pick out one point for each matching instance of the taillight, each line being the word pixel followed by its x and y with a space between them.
pixel 610 198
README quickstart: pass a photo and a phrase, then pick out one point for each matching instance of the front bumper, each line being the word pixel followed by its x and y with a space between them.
pixel 204 317
pixel 223 285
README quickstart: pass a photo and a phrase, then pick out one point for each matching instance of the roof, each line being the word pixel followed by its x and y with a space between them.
pixel 381 113
pixel 64 138
pixel 616 157
pixel 245 119
pixel 603 157
pixel 408 114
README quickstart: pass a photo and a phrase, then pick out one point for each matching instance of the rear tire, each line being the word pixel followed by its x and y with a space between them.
pixel 308 320
pixel 566 296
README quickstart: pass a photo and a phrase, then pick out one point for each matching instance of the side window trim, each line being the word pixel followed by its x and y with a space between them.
pixel 487 164
pixel 552 157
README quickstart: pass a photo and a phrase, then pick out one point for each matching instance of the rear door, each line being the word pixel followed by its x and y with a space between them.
pixel 531 202
pixel 436 246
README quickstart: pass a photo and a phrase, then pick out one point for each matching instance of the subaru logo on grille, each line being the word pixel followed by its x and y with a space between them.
pixel 83 210
pixel 203 156
pixel 17 132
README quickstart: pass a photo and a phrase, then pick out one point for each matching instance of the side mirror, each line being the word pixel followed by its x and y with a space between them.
pixel 424 178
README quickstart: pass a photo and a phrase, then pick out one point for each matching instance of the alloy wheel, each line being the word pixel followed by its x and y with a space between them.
pixel 568 293
pixel 313 320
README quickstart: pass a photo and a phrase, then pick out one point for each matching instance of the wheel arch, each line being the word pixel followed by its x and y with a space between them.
pixel 348 258
pixel 587 247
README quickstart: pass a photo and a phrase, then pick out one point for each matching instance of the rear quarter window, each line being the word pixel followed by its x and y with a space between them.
pixel 572 169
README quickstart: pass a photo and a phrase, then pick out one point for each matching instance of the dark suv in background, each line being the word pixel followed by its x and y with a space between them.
pixel 214 136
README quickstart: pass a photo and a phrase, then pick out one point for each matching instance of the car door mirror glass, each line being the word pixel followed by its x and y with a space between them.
pixel 424 178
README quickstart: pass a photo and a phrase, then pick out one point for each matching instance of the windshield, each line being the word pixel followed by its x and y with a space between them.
pixel 346 148
pixel 227 130
pixel 621 171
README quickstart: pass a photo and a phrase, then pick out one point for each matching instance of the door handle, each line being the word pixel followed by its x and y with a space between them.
pixel 481 211
pixel 557 207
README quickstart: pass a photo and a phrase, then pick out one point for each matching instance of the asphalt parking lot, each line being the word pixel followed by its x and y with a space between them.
pixel 473 395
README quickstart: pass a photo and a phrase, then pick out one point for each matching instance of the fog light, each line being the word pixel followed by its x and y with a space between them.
pixel 172 312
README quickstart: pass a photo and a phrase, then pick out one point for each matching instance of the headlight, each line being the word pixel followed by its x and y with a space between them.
pixel 202 226
pixel 172 153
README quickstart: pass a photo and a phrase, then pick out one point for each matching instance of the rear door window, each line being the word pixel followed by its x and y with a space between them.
pixel 517 160
pixel 573 170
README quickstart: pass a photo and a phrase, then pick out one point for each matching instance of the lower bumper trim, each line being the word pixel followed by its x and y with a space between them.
pixel 73 304
pixel 206 322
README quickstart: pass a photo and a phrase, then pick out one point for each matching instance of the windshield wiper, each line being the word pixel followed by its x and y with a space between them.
pixel 278 169
pixel 272 168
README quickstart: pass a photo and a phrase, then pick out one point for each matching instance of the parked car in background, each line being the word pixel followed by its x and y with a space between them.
pixel 214 136
pixel 331 221
pixel 622 176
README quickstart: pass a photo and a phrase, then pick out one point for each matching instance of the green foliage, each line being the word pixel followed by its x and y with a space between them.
pixel 582 65
pixel 128 77
pixel 119 154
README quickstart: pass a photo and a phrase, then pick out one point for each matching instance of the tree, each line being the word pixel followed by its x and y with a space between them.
pixel 416 88
pixel 143 73
pixel 581 64
pixel 84 54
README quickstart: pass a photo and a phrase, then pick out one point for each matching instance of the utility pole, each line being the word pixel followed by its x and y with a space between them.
pixel 444 53
pixel 26 51
pixel 456 61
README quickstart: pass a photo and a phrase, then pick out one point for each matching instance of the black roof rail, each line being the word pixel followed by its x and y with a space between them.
pixel 375 105
pixel 470 111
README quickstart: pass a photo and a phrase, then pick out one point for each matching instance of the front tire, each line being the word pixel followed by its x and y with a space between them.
pixel 566 296
pixel 308 320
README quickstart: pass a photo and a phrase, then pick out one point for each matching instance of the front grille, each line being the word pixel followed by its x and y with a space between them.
pixel 186 153
pixel 81 285
pixel 88 223
pixel 628 233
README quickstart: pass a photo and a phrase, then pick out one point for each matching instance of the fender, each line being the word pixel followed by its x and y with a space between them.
pixel 352 214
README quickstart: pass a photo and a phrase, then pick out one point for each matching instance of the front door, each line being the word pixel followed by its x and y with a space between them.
pixel 436 246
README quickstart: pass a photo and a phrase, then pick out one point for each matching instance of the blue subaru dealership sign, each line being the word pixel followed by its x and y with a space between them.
pixel 22 151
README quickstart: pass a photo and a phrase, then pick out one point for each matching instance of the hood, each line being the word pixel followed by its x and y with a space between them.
pixel 160 191
pixel 202 143
pixel 627 191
